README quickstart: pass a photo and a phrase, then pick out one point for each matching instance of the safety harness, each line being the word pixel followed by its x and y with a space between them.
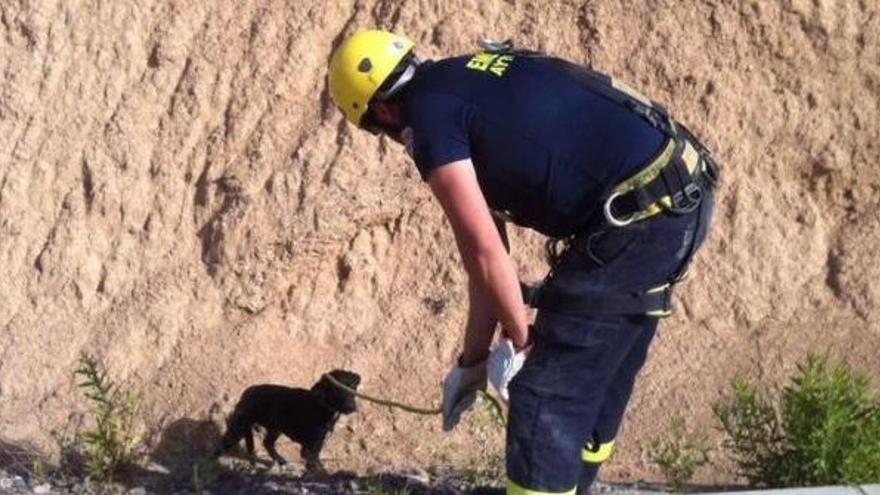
pixel 655 302
pixel 674 182
pixel 675 179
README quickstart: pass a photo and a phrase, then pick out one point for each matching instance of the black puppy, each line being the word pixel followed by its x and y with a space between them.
pixel 305 416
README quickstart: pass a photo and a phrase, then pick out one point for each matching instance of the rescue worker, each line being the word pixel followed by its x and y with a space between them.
pixel 623 191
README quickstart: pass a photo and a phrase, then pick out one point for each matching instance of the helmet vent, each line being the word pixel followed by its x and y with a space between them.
pixel 365 65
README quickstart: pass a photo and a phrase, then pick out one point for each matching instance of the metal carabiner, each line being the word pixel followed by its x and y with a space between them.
pixel 494 46
pixel 711 171
pixel 609 215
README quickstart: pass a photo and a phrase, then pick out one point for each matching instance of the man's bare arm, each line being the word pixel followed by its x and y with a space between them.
pixel 493 282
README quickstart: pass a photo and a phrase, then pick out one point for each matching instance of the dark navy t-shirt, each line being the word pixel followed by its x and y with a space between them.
pixel 545 147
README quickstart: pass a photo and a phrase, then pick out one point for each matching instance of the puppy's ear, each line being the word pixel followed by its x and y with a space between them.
pixel 322 391
pixel 355 379
pixel 349 378
pixel 332 397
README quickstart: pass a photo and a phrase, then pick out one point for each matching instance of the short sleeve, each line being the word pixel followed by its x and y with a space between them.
pixel 439 130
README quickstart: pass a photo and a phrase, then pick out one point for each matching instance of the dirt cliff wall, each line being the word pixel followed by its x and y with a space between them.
pixel 179 196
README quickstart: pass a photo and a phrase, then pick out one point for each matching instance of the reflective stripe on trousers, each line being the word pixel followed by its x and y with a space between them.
pixel 597 454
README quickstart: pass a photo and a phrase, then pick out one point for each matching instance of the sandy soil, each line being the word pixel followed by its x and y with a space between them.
pixel 179 197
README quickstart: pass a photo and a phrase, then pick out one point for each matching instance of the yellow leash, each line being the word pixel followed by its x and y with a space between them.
pixel 405 407
pixel 383 402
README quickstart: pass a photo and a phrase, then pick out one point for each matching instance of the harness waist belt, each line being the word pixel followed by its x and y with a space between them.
pixel 674 181
pixel 655 302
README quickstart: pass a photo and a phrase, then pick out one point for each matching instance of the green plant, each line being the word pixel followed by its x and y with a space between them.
pixel 39 471
pixel 490 423
pixel 493 407
pixel 112 442
pixel 753 432
pixel 680 454
pixel 820 429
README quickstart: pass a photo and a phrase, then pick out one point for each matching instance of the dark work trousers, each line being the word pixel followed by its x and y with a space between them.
pixel 569 398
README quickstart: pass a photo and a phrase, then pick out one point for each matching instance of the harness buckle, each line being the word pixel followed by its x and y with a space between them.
pixel 664 309
pixel 711 171
pixel 686 200
pixel 609 214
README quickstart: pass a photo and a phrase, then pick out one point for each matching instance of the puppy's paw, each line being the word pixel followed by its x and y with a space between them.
pixel 315 471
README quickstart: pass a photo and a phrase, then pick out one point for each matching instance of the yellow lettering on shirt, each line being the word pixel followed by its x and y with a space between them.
pixel 493 63
pixel 481 61
pixel 500 65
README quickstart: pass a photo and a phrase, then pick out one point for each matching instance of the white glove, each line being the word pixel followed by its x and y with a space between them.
pixel 504 363
pixel 460 391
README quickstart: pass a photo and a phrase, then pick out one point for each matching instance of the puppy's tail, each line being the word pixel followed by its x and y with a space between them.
pixel 237 426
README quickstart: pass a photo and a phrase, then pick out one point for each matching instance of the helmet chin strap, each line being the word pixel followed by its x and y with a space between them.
pixel 412 63
pixel 391 129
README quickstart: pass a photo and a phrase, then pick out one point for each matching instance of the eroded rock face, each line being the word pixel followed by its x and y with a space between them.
pixel 179 196
pixel 854 265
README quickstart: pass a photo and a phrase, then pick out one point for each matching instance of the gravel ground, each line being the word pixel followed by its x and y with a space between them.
pixel 229 482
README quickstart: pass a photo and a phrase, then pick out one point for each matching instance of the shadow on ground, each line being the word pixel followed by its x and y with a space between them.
pixel 181 462
pixel 184 440
pixel 19 458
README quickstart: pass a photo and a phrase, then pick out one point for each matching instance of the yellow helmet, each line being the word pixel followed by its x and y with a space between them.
pixel 361 65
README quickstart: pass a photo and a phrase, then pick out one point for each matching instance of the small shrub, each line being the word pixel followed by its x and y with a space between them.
pixel 754 433
pixel 680 454
pixel 112 442
pixel 822 429
pixel 489 422
pixel 39 472
pixel 493 407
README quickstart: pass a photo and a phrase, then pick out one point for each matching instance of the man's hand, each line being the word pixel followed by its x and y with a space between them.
pixel 460 391
pixel 504 363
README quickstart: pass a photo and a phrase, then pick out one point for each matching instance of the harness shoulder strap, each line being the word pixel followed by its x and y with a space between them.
pixel 615 90
pixel 622 94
